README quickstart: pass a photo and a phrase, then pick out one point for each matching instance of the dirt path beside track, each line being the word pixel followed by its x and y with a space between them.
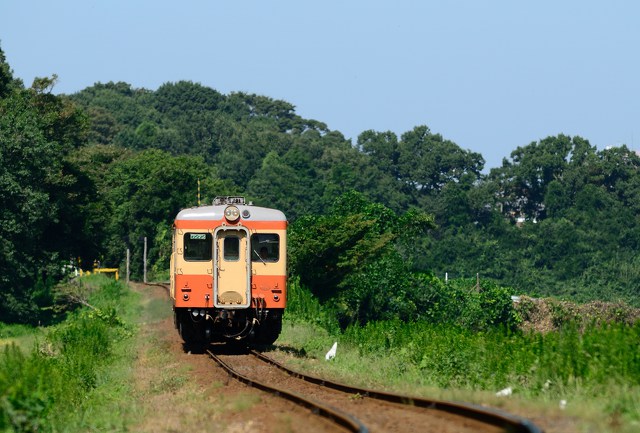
pixel 181 391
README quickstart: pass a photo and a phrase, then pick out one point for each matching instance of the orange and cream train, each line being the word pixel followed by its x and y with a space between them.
pixel 229 272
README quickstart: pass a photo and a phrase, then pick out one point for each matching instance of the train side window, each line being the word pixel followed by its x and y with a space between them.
pixel 197 247
pixel 231 249
pixel 265 247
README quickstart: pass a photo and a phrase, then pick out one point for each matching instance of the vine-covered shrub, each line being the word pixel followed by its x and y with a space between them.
pixel 476 305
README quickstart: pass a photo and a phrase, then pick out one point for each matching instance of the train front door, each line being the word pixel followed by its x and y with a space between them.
pixel 232 276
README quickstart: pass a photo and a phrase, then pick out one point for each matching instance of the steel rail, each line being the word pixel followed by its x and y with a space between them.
pixel 345 420
pixel 508 422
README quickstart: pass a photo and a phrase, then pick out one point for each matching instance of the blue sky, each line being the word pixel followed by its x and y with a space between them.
pixel 488 75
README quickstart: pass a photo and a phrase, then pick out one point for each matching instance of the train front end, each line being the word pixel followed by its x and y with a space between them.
pixel 228 272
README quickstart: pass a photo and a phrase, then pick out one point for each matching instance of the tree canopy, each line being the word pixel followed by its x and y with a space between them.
pixel 45 198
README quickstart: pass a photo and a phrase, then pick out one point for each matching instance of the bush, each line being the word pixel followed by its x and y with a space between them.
pixel 302 306
pixel 40 390
pixel 29 387
pixel 463 303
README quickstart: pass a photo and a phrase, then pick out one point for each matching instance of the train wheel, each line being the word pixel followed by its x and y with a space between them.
pixel 186 331
pixel 269 331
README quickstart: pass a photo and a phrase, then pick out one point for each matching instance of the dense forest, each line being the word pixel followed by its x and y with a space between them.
pixel 373 223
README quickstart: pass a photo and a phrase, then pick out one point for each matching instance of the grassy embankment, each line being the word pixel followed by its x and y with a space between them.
pixel 107 369
pixel 74 376
pixel 594 368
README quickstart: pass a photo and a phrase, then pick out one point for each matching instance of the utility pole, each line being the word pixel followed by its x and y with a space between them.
pixel 128 261
pixel 145 260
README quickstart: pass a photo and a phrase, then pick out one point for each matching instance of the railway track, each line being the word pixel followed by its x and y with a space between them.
pixel 362 410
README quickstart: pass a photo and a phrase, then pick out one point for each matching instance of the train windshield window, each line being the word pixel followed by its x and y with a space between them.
pixel 197 246
pixel 231 248
pixel 265 247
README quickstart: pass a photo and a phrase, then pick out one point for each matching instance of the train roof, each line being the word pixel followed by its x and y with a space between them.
pixel 216 213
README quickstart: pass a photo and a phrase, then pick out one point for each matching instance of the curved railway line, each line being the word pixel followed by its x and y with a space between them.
pixel 362 410
pixel 357 409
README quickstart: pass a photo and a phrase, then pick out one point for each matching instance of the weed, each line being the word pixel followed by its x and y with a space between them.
pixel 580 361
pixel 48 388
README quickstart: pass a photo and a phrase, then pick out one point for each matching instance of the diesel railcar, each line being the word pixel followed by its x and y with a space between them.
pixel 229 272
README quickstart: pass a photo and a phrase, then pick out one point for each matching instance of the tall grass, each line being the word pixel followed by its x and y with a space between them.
pixel 456 357
pixel 302 306
pixel 49 388
pixel 597 364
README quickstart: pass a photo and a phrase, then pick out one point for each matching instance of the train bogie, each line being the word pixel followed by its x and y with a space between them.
pixel 228 272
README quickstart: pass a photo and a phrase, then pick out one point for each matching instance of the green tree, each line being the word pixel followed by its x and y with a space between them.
pixel 184 98
pixel 278 184
pixel 427 162
pixel 44 196
pixel 383 150
pixel 104 127
pixel 524 180
pixel 7 82
pixel 342 255
pixel 146 191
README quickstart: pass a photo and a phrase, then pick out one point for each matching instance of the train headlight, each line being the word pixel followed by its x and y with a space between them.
pixel 232 214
